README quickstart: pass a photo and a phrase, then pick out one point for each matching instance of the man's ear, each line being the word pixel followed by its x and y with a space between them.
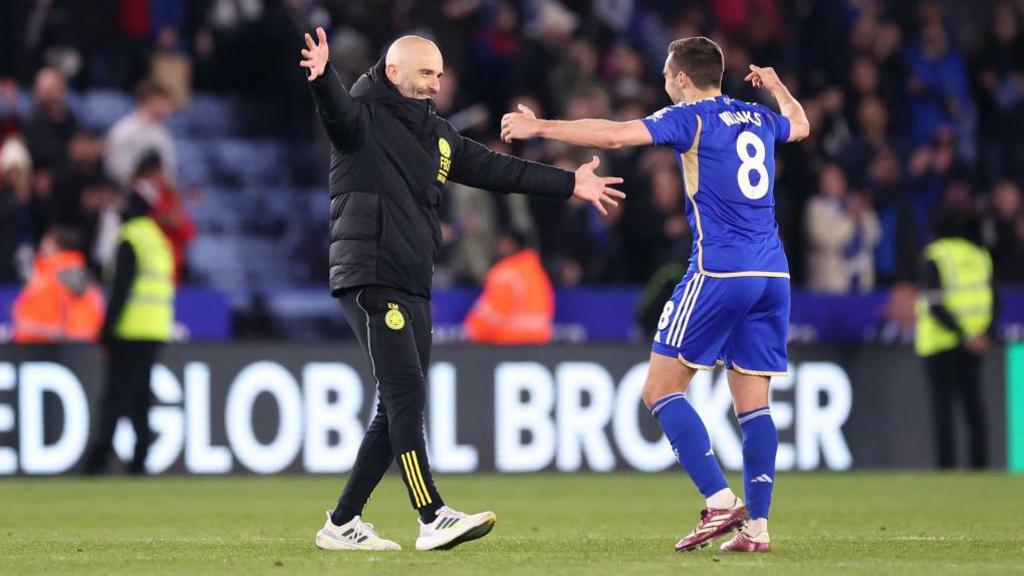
pixel 391 71
pixel 682 80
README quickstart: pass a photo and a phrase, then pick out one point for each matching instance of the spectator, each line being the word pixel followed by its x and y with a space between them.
pixel 734 16
pixel 50 124
pixel 931 169
pixel 1002 233
pixel 896 324
pixel 517 305
pixel 563 234
pixel 475 217
pixel 100 206
pixel 153 184
pixel 575 73
pixel 842 231
pixel 606 261
pixel 1000 78
pixel 140 132
pixel 938 86
pixel 83 165
pixel 625 72
pixel 61 301
pixel 15 195
pixel 901 236
pixel 673 240
pixel 871 139
pixel 9 123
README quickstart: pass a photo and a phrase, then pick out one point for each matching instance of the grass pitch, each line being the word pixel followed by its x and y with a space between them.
pixel 547 524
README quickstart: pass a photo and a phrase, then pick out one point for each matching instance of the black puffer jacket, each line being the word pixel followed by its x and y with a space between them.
pixel 390 157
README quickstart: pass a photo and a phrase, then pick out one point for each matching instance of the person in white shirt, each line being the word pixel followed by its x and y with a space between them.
pixel 842 232
pixel 142 131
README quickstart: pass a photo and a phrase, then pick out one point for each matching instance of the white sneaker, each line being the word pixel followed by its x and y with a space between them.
pixel 354 535
pixel 451 528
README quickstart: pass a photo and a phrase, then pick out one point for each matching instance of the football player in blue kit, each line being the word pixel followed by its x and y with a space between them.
pixel 732 306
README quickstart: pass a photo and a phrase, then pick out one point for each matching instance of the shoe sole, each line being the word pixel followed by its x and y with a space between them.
pixel 474 533
pixel 738 551
pixel 335 545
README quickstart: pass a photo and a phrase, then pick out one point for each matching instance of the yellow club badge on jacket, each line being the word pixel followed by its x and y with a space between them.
pixel 446 160
pixel 394 318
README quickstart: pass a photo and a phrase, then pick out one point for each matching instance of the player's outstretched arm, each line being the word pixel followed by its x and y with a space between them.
pixel 478 166
pixel 339 113
pixel 594 133
pixel 799 126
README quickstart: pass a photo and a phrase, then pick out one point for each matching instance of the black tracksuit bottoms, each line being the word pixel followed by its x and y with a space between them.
pixel 129 364
pixel 955 378
pixel 394 329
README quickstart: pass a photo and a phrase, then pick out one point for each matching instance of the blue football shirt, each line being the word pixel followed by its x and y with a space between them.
pixel 726 150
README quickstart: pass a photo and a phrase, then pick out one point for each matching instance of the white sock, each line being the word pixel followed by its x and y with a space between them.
pixel 756 526
pixel 724 498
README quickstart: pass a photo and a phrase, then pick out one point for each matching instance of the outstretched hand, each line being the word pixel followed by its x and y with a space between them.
pixel 594 189
pixel 519 125
pixel 315 55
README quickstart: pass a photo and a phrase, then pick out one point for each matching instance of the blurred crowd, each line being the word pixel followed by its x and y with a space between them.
pixel 58 178
pixel 916 109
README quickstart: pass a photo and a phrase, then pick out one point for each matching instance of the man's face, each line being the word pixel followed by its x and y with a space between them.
pixel 85 148
pixel 162 107
pixel 49 87
pixel 48 245
pixel 673 82
pixel 418 75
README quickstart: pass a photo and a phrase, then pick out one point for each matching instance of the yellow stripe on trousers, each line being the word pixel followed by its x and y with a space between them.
pixel 419 476
pixel 407 467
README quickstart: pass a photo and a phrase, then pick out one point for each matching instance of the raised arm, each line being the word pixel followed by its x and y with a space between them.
pixel 478 166
pixel 339 112
pixel 799 126
pixel 594 133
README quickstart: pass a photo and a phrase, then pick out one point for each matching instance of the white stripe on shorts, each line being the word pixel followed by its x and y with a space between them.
pixel 686 320
pixel 677 319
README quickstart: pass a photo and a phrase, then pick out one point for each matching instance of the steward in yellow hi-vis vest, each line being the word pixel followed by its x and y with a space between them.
pixel 955 319
pixel 965 290
pixel 140 318
pixel 148 313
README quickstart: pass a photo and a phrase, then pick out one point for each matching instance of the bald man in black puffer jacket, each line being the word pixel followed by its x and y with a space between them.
pixel 391 155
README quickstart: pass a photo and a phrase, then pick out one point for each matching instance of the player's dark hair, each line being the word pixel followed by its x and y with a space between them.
pixel 700 58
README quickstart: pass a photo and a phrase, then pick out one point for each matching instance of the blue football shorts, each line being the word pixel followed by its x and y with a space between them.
pixel 740 322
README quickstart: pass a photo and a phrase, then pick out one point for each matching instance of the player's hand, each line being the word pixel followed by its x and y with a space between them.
pixel 594 189
pixel 315 55
pixel 519 125
pixel 763 78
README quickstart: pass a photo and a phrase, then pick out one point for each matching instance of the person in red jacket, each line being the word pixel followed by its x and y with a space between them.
pixel 167 209
pixel 517 305
pixel 61 302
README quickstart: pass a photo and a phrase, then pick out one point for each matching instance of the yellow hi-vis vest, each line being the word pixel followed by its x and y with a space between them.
pixel 965 273
pixel 149 311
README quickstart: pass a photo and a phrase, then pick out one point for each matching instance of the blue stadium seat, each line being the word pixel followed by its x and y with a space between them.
pixel 100 109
